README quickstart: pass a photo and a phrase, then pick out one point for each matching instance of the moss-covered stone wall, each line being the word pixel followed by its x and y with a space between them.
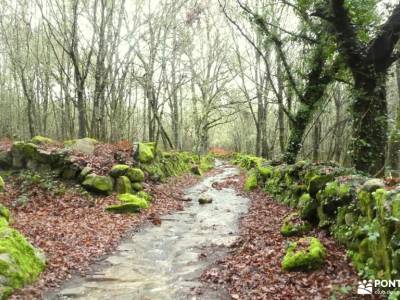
pixel 361 213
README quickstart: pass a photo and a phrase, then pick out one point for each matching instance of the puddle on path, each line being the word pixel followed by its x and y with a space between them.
pixel 162 262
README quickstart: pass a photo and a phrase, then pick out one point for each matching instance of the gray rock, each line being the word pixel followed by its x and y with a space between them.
pixel 372 185
pixel 86 146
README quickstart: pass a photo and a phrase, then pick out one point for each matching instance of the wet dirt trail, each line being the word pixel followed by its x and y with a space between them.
pixel 166 261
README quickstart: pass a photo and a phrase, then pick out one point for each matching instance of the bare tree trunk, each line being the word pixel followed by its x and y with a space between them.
pixel 316 141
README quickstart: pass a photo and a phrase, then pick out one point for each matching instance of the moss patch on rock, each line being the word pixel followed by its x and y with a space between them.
pixel 123 185
pixel 20 262
pixel 41 140
pixel 303 255
pixel 144 153
pixel 144 195
pixel 133 199
pixel 293 225
pixel 119 170
pixel 98 184
pixel 136 186
pixel 135 174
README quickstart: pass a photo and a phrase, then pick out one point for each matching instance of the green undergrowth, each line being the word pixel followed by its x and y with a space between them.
pixel 360 212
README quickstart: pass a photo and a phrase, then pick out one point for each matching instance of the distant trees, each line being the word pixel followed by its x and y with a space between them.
pixel 281 79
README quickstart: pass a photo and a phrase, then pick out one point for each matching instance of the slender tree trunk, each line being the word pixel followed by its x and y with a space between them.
pixel 338 130
pixel 316 141
pixel 81 111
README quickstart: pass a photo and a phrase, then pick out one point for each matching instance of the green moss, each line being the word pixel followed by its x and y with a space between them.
pixel 305 254
pixel 98 184
pixel 4 212
pixel 265 171
pixel 137 186
pixel 123 185
pixel 380 196
pixel 331 198
pixel 124 208
pixel 367 203
pixel 85 172
pixel 247 161
pixel 318 183
pixel 119 170
pixel 307 207
pixel 251 181
pixel 144 195
pixel 3 222
pixel 206 163
pixel 20 262
pixel 155 172
pixel 135 174
pixel 133 199
pixel 293 225
pixel 1 184
pixel 40 140
pixel 69 143
pixel 145 153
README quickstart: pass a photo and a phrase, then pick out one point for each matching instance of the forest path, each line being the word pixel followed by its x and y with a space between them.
pixel 166 261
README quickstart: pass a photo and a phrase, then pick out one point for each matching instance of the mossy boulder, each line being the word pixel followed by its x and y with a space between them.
pixel 22 152
pixel 135 174
pixel 20 262
pixel 318 183
pixel 98 184
pixel 123 208
pixel 144 195
pixel 293 225
pixel 137 186
pixel 307 207
pixel 251 181
pixel 145 153
pixel 41 140
pixel 1 184
pixel 333 196
pixel 133 199
pixel 305 254
pixel 123 185
pixel 85 172
pixel 119 170
pixel 85 145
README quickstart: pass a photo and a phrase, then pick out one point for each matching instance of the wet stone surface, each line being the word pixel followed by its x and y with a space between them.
pixel 164 262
